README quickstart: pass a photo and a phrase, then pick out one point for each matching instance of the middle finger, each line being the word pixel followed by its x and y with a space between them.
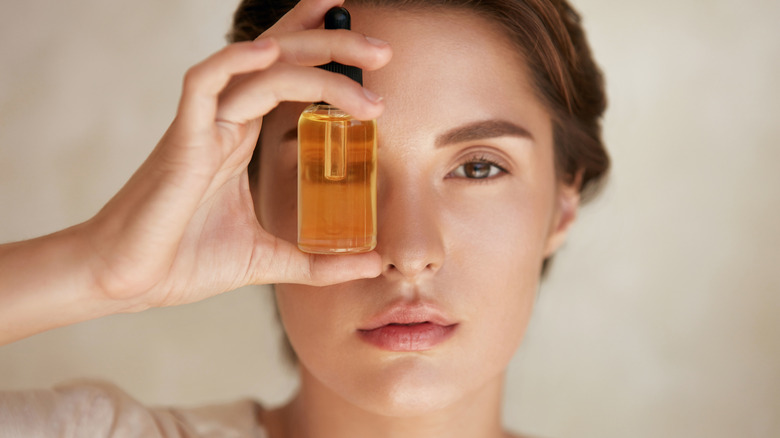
pixel 320 46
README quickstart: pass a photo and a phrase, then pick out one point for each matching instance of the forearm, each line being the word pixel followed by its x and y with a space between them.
pixel 47 283
pixel 184 227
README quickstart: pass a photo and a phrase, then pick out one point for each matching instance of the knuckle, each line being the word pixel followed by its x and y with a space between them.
pixel 193 77
pixel 275 78
pixel 234 48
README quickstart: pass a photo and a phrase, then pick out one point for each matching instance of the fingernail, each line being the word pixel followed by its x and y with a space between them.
pixel 373 97
pixel 376 41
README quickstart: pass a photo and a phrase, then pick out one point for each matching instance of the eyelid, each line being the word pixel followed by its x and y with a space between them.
pixel 488 154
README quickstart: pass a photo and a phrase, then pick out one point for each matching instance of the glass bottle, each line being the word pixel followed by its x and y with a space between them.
pixel 336 171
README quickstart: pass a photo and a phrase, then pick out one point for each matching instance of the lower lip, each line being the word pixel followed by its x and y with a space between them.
pixel 415 337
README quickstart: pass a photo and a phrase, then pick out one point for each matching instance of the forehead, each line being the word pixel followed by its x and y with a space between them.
pixel 447 63
pixel 450 67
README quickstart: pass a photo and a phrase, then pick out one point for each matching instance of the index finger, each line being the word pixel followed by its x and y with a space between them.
pixel 307 14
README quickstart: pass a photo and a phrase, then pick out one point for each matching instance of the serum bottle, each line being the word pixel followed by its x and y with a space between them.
pixel 336 171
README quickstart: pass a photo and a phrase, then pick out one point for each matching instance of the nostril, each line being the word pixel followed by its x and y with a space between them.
pixel 410 270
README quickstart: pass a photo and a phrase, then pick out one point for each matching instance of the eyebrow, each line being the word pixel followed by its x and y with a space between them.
pixel 481 130
pixel 473 131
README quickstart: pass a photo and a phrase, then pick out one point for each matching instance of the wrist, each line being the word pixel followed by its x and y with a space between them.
pixel 47 283
pixel 95 241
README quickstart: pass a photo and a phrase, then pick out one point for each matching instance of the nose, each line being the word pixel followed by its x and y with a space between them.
pixel 409 234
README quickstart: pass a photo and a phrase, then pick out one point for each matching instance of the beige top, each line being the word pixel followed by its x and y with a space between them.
pixel 99 409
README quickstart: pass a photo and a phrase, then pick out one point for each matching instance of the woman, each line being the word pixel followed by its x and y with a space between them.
pixel 489 134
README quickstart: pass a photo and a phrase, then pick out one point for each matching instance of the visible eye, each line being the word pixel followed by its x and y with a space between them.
pixel 478 169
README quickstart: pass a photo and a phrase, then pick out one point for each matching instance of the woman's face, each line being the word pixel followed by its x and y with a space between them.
pixel 468 207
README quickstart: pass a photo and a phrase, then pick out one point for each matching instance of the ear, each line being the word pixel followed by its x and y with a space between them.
pixel 567 204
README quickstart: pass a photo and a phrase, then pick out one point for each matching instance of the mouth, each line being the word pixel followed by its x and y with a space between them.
pixel 404 327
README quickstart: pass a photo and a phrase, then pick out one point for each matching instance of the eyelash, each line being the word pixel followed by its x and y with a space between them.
pixel 479 159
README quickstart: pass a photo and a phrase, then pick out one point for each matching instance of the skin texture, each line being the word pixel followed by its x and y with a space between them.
pixel 184 227
pixel 472 248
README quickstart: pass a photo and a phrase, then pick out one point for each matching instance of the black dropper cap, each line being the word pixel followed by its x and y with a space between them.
pixel 338 18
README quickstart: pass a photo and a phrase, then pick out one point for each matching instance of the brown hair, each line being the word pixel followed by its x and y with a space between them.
pixel 551 39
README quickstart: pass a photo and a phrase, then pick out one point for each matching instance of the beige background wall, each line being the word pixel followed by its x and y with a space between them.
pixel 660 317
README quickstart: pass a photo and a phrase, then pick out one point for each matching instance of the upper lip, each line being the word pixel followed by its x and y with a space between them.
pixel 408 313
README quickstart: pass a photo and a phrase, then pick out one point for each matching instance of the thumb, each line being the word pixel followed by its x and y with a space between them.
pixel 287 264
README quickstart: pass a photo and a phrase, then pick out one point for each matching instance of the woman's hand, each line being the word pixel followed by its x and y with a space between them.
pixel 183 228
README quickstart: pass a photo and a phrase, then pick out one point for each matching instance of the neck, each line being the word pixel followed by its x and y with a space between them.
pixel 318 412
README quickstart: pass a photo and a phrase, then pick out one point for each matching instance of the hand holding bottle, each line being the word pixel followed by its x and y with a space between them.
pixel 183 228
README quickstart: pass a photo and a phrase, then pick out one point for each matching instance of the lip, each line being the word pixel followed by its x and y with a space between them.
pixel 408 327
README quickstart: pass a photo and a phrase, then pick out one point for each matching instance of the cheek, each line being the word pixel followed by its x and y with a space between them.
pixel 501 233
pixel 278 197
pixel 320 324
pixel 314 318
pixel 302 310
pixel 496 253
pixel 302 323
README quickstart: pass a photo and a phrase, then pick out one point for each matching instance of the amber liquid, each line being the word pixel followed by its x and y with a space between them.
pixel 336 182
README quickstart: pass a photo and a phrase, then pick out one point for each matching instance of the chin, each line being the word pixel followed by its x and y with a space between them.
pixel 407 387
pixel 405 401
